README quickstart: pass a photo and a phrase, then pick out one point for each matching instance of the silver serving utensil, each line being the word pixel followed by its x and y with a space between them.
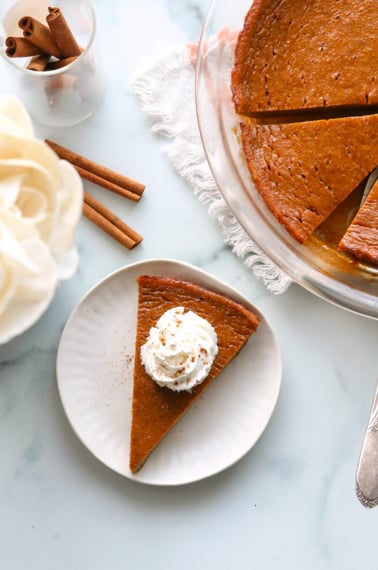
pixel 367 471
pixel 369 184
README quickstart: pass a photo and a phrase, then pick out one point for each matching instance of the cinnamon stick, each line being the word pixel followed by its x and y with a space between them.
pixel 62 34
pixel 99 174
pixel 38 62
pixel 107 221
pixel 107 184
pixel 21 47
pixel 40 35
pixel 59 63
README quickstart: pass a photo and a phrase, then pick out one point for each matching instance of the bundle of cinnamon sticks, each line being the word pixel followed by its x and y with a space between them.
pixel 94 210
pixel 50 46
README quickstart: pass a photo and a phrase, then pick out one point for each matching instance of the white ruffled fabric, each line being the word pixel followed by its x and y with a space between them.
pixel 166 93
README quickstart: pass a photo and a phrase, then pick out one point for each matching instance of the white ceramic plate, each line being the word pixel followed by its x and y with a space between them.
pixel 95 368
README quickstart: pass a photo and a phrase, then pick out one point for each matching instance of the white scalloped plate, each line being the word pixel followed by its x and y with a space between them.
pixel 95 368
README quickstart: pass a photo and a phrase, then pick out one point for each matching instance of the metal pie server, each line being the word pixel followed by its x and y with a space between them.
pixel 367 470
pixel 369 184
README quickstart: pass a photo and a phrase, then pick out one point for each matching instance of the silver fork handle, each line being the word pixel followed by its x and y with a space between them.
pixel 367 471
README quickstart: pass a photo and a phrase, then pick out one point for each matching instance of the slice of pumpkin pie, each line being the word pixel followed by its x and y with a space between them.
pixel 361 237
pixel 186 335
pixel 304 170
pixel 306 54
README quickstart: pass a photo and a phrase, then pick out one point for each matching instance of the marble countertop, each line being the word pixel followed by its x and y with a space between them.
pixel 290 502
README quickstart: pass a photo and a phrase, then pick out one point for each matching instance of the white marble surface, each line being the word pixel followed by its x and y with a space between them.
pixel 290 503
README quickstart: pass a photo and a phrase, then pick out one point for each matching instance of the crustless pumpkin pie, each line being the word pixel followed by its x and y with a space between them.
pixel 305 86
pixel 156 409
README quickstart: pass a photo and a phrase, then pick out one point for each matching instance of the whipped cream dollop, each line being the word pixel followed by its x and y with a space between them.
pixel 180 350
pixel 41 200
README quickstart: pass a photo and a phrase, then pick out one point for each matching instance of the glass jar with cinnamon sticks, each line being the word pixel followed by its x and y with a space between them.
pixel 52 54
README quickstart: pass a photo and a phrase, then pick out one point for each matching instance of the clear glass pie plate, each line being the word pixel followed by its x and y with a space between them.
pixel 316 265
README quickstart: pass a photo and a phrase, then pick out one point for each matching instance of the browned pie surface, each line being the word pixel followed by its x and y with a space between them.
pixel 361 238
pixel 305 170
pixel 155 410
pixel 306 54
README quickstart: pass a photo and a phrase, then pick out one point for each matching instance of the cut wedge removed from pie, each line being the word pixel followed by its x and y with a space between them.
pixel 156 409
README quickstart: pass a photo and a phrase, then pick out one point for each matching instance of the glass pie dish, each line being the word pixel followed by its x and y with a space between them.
pixel 317 265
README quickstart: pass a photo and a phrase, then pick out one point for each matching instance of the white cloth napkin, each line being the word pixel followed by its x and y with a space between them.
pixel 166 94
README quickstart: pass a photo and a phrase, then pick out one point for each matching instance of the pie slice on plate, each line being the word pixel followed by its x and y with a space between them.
pixel 156 409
